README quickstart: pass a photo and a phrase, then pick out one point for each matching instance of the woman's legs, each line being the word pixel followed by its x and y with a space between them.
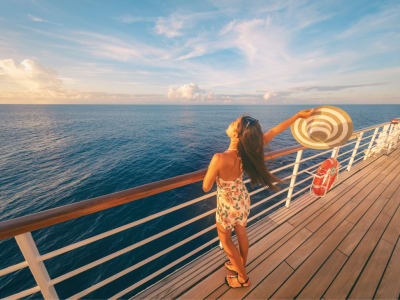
pixel 232 252
pixel 243 242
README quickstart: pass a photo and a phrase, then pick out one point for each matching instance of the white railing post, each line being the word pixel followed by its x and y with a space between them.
pixel 393 137
pixel 371 143
pixel 354 151
pixel 335 152
pixel 31 254
pixel 294 175
pixel 386 137
pixel 396 129
pixel 388 140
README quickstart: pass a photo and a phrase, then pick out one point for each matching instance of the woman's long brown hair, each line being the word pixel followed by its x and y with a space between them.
pixel 251 151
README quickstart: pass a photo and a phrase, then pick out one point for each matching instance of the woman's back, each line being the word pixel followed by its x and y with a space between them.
pixel 231 166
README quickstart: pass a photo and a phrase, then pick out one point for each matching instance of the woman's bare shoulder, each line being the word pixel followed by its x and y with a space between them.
pixel 221 157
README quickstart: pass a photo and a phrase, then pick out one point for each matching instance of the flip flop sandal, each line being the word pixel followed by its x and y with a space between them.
pixel 242 284
pixel 229 266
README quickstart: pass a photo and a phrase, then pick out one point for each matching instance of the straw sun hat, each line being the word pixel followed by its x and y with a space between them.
pixel 328 127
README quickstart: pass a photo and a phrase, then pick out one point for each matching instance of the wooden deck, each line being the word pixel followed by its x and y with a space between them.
pixel 344 245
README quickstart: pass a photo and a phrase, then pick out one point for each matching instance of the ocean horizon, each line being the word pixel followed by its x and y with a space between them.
pixel 57 154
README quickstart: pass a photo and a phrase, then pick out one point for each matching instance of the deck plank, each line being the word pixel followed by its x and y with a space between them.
pixel 379 166
pixel 310 245
pixel 267 287
pixel 317 280
pixel 376 203
pixel 321 280
pixel 334 193
pixel 392 232
pixel 297 251
pixel 369 278
pixel 339 213
pixel 303 274
pixel 348 275
pixel 268 265
pixel 211 283
pixel 389 287
pixel 277 232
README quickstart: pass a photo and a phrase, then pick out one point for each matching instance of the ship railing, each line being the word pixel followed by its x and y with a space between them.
pixel 381 138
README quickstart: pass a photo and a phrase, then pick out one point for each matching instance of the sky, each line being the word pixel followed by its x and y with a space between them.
pixel 199 52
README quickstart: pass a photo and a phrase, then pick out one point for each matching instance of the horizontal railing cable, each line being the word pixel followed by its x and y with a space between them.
pixel 23 293
pixel 134 267
pixel 129 248
pixel 341 154
pixel 143 262
pixel 316 155
pixel 130 225
pixel 266 210
pixel 342 161
pixel 307 170
pixel 358 159
pixel 365 137
pixel 303 180
pixel 282 168
pixel 122 228
pixel 302 190
pixel 13 268
pixel 362 145
pixel 167 267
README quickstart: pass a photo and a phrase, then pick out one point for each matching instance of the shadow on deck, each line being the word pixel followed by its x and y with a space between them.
pixel 345 244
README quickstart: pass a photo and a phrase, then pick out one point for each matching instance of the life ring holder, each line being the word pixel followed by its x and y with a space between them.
pixel 324 178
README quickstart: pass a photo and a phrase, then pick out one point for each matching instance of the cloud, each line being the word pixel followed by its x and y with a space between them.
pixel 117 48
pixel 30 75
pixel 173 25
pixel 189 91
pixel 269 95
pixel 336 87
pixel 247 49
pixel 30 82
pixel 36 19
pixel 77 97
pixel 170 27
pixel 40 20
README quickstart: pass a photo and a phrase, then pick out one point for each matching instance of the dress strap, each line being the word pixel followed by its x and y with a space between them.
pixel 240 165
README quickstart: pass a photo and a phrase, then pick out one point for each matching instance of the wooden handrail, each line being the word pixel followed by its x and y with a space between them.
pixel 10 228
pixel 31 222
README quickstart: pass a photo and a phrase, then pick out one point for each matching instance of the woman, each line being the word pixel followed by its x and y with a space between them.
pixel 245 153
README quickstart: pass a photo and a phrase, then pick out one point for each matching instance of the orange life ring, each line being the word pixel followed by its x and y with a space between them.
pixel 326 175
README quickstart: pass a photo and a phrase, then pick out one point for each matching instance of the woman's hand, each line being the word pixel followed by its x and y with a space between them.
pixel 268 136
pixel 305 113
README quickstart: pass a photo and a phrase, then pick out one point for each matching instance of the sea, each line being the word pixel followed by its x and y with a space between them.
pixel 53 155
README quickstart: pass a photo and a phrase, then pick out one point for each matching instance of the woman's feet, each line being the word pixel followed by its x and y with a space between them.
pixel 228 265
pixel 234 281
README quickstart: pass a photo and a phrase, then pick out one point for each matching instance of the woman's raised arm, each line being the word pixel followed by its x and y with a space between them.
pixel 269 135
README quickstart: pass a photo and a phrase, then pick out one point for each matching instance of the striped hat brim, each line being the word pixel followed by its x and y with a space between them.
pixel 328 127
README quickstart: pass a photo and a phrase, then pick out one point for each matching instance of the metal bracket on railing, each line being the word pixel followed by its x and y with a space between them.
pixel 326 177
pixel 31 254
pixel 393 136
pixel 335 152
pixel 387 139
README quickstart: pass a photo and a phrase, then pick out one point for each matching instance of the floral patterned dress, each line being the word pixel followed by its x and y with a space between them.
pixel 233 202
